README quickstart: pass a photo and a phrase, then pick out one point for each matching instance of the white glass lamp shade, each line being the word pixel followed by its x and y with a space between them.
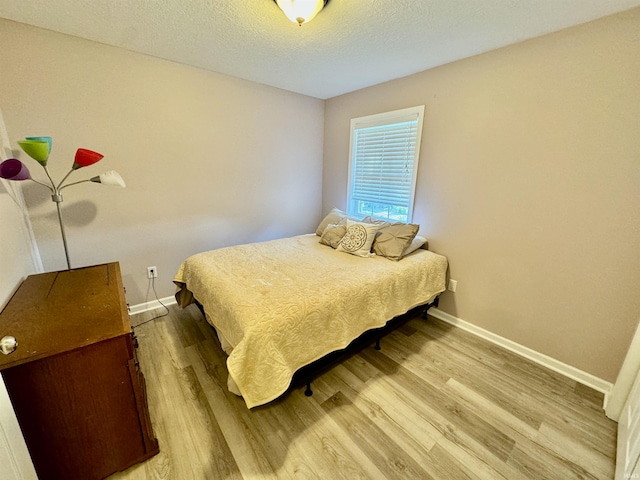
pixel 301 11
pixel 111 178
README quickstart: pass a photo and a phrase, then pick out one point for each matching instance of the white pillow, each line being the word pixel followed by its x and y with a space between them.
pixel 358 239
pixel 415 244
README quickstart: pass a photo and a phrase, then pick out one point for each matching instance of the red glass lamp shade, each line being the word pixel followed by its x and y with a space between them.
pixel 85 157
pixel 14 169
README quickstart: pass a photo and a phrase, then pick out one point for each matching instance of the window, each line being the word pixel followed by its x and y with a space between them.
pixel 384 163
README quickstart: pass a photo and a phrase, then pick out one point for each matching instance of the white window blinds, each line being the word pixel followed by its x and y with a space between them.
pixel 384 163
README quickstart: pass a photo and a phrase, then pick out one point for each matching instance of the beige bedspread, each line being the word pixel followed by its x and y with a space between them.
pixel 284 303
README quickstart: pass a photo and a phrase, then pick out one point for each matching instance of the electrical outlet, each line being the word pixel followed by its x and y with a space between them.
pixel 453 284
pixel 152 272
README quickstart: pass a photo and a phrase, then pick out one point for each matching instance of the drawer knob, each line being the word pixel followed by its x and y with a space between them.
pixel 8 345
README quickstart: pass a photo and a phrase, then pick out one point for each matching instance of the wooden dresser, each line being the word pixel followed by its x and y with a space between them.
pixel 74 379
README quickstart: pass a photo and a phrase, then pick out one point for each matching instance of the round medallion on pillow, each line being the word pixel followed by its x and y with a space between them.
pixel 355 238
pixel 358 239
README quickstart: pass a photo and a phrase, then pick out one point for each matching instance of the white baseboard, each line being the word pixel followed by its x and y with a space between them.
pixel 152 305
pixel 551 363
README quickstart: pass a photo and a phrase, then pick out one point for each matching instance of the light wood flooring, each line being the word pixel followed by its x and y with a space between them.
pixel 435 402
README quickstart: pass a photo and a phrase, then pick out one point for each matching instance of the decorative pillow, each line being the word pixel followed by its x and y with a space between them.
pixel 333 234
pixel 392 240
pixel 375 221
pixel 415 244
pixel 358 239
pixel 335 216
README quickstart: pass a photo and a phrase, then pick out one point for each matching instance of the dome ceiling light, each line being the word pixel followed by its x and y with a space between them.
pixel 301 11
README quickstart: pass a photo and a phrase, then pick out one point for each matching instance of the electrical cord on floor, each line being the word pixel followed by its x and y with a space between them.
pixel 152 285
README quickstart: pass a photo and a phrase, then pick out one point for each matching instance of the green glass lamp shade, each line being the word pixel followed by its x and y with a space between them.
pixel 36 149
pixel 49 140
pixel 14 169
pixel 85 157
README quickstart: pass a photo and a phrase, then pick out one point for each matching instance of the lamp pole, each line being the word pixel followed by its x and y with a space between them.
pixel 57 198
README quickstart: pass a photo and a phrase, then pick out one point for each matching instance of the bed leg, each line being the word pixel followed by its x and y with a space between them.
pixel 426 308
pixel 308 392
pixel 377 345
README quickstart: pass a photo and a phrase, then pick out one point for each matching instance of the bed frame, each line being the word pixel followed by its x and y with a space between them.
pixel 306 374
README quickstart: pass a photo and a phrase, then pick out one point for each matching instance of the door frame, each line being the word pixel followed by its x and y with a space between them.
pixel 624 382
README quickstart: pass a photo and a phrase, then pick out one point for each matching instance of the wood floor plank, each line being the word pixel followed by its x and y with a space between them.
pixel 502 419
pixel 336 454
pixel 478 348
pixel 589 395
pixel 212 448
pixel 460 444
pixel 414 441
pixel 496 441
pixel 433 358
pixel 435 402
pixel 576 452
pixel 521 372
pixel 539 462
pixel 559 409
pixel 392 461
pixel 420 432
pixel 527 439
pixel 185 327
pixel 446 465
pixel 528 404
pixel 245 441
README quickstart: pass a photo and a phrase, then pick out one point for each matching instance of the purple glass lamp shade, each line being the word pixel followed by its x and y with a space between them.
pixel 14 169
pixel 37 149
pixel 85 157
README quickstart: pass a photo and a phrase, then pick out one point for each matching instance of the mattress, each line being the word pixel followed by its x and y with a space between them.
pixel 285 303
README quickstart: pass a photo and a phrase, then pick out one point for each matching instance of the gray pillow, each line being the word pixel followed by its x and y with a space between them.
pixel 335 216
pixel 393 239
pixel 333 234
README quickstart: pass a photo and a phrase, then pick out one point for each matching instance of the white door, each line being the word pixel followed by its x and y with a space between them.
pixel 627 465
pixel 15 462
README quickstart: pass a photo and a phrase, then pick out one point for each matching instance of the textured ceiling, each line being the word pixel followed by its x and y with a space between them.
pixel 351 44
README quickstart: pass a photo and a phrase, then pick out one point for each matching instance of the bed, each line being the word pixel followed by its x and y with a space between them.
pixel 280 305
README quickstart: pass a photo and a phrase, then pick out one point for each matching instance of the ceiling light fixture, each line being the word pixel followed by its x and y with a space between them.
pixel 301 11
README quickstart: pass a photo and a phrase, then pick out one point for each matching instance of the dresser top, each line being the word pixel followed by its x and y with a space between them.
pixel 56 312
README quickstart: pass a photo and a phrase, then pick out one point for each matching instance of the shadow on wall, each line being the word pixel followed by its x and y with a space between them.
pixel 77 214
pixel 74 213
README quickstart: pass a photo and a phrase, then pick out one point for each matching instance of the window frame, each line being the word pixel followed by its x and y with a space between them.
pixel 385 119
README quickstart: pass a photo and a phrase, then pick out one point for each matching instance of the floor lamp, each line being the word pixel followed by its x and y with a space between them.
pixel 39 149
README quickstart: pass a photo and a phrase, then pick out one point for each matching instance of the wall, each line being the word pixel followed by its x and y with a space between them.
pixel 209 160
pixel 18 259
pixel 529 183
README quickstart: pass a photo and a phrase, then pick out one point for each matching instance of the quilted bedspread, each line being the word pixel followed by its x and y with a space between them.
pixel 285 303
